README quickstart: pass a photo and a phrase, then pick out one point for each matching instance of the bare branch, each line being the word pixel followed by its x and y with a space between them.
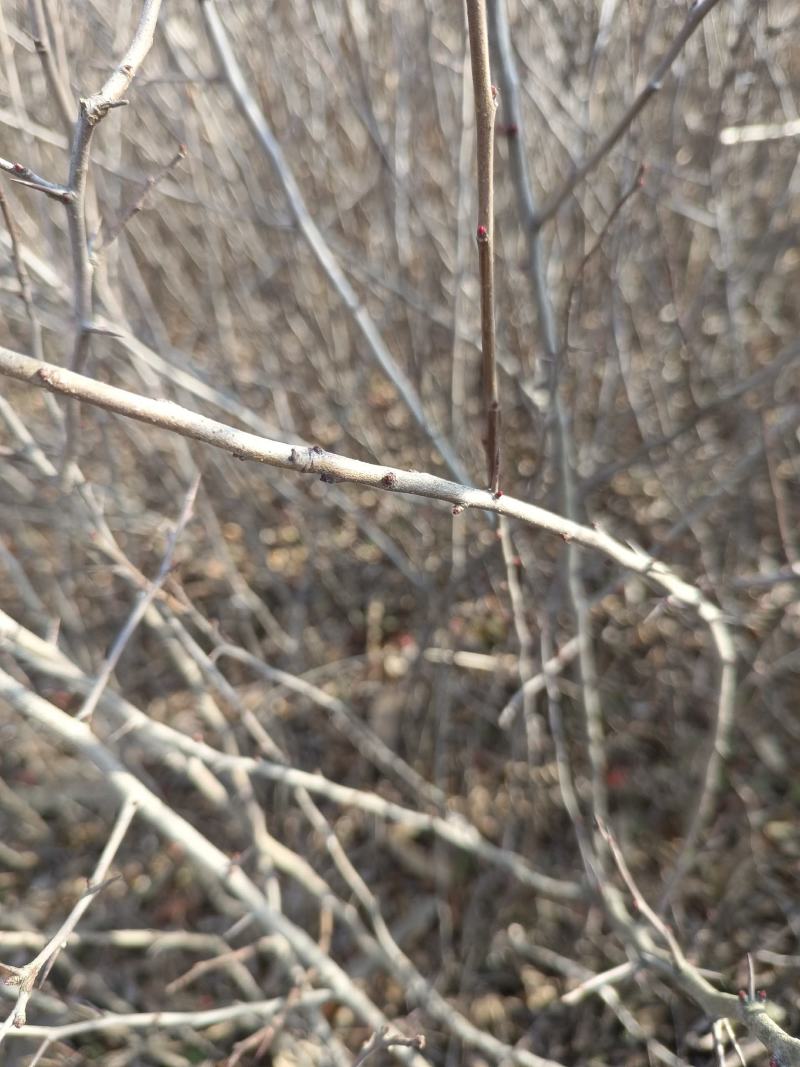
pixel 315 460
pixel 485 110
pixel 25 977
pixel 376 345
pixel 107 237
pixel 23 175
pixel 697 12
pixel 145 600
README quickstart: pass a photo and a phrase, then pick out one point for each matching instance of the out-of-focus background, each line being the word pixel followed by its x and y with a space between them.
pixel 391 620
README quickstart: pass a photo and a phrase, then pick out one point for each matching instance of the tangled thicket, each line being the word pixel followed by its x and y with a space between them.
pixel 375 741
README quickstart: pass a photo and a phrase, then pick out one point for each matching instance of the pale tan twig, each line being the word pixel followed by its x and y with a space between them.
pixel 385 1039
pixel 145 600
pixel 25 977
pixel 524 639
pixel 762 131
pixel 751 1012
pixel 92 110
pixel 329 465
pixel 169 1020
pixel 177 419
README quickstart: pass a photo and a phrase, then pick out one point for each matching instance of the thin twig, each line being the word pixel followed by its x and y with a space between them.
pixel 23 278
pixel 634 187
pixel 173 1020
pixel 25 977
pixel 55 81
pixel 384 1039
pixel 145 600
pixel 485 110
pixel 751 1011
pixel 697 12
pixel 107 237
pixel 22 175
pixel 376 345
pixel 92 110
pixel 723 641
pixel 548 372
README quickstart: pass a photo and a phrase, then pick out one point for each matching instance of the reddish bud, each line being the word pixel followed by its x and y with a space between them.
pixel 498 494
pixel 483 233
pixel 389 480
pixel 762 994
pixel 742 995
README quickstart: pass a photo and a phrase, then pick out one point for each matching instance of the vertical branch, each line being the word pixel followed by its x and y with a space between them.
pixel 548 374
pixel 531 219
pixel 23 279
pixel 92 111
pixel 58 90
pixel 485 108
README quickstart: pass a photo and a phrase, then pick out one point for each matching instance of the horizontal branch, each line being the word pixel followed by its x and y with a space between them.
pixel 332 467
pixel 244 1014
